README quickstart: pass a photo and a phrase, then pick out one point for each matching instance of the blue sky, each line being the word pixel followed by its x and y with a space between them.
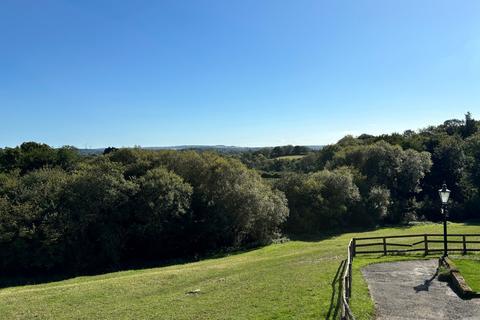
pixel 247 73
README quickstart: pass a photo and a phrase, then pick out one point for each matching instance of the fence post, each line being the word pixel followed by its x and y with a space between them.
pixel 464 245
pixel 350 281
pixel 384 246
pixel 354 247
pixel 425 240
pixel 349 266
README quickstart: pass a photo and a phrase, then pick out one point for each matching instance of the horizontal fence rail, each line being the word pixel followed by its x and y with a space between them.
pixel 426 243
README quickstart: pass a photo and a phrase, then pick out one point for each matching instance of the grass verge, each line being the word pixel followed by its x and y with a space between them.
pixel 470 270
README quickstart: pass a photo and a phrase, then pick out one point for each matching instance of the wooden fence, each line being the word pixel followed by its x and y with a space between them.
pixel 426 243
pixel 347 284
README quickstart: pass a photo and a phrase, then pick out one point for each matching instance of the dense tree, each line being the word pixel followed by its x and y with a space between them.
pixel 129 205
pixel 94 204
pixel 9 159
pixel 232 205
pixel 449 162
pixel 109 150
pixel 31 227
pixel 470 185
pixel 318 160
pixel 35 155
pixel 161 215
pixel 31 156
pixel 470 126
pixel 472 150
pixel 319 201
pixel 67 157
pixel 377 205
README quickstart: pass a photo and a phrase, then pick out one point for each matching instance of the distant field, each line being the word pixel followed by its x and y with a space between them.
pixel 292 280
pixel 295 157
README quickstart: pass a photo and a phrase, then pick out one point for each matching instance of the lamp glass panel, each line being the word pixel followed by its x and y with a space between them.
pixel 444 195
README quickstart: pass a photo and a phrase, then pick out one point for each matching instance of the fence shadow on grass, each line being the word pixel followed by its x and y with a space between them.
pixel 336 293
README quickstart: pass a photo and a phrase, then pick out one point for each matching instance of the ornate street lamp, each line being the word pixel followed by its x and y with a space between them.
pixel 444 195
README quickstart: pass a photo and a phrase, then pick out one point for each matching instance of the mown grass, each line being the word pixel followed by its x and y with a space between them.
pixel 292 157
pixel 470 270
pixel 293 280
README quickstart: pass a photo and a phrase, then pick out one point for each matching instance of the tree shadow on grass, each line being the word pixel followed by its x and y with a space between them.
pixel 336 292
pixel 45 277
pixel 475 222
pixel 26 280
pixel 324 235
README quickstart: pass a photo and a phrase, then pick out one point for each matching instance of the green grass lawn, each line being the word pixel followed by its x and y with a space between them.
pixel 470 270
pixel 292 280
pixel 293 157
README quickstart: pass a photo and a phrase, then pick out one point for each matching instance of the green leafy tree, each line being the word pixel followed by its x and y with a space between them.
pixel 319 201
pixel 95 203
pixel 67 157
pixel 31 222
pixel 470 126
pixel 162 214
pixel 36 155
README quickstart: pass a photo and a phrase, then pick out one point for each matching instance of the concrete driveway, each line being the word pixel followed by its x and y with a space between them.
pixel 410 290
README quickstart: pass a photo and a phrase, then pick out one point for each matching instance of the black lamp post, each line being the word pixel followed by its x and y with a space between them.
pixel 444 195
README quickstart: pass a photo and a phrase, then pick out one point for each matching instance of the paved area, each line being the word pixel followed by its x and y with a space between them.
pixel 408 290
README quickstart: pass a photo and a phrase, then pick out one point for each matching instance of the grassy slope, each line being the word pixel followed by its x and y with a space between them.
pixel 470 270
pixel 283 281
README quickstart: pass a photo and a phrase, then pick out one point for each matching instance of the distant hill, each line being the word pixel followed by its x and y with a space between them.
pixel 218 148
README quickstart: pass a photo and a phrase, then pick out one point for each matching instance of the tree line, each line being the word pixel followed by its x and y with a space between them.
pixel 64 212
pixel 410 168
pixel 394 177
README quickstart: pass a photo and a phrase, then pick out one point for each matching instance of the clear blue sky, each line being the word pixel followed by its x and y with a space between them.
pixel 247 73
